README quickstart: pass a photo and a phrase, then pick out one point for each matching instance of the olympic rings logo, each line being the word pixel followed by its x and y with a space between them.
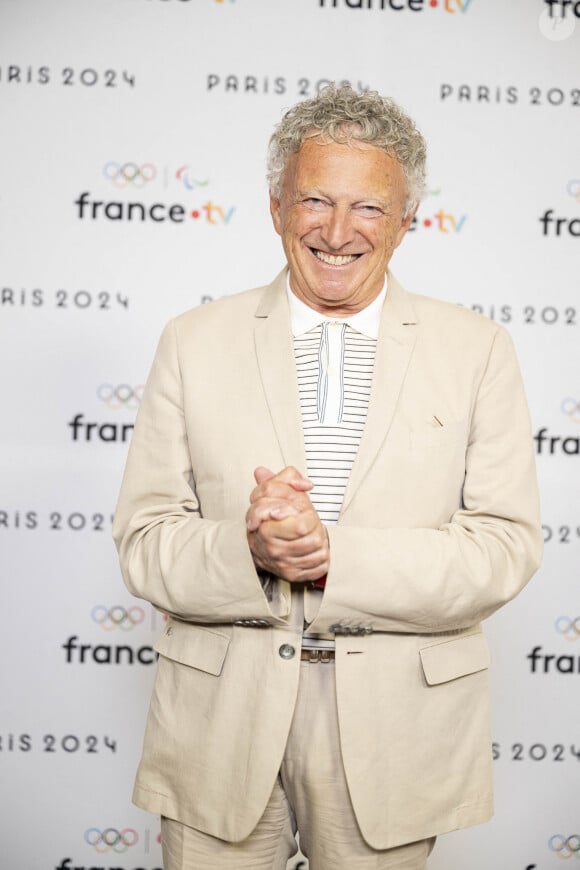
pixel 125 174
pixel 565 847
pixel 571 407
pixel 111 838
pixel 117 617
pixel 570 628
pixel 121 396
pixel 573 188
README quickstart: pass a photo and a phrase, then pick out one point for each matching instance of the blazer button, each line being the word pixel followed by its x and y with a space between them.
pixel 286 651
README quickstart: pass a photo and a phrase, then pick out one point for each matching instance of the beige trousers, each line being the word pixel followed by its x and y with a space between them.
pixel 310 796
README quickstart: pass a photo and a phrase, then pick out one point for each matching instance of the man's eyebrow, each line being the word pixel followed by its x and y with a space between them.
pixel 312 191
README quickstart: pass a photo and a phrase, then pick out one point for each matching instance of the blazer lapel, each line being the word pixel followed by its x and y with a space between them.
pixel 397 337
pixel 275 353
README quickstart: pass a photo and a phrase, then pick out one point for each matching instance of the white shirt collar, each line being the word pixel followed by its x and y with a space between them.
pixel 303 318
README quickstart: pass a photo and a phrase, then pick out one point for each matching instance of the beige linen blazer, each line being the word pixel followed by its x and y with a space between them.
pixel 440 527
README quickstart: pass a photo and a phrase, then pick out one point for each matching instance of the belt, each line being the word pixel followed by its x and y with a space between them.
pixel 316 655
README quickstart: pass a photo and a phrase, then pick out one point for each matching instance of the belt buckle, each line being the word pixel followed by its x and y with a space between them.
pixel 319 655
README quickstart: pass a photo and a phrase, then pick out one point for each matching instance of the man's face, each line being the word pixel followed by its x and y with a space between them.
pixel 340 218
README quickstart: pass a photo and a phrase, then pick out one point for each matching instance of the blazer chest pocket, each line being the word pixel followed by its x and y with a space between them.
pixel 194 646
pixel 433 435
pixel 454 658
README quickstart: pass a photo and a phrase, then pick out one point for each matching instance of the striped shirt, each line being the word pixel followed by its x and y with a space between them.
pixel 334 368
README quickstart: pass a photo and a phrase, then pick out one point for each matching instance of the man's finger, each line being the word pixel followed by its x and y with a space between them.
pixel 268 510
pixel 302 484
pixel 291 528
pixel 289 475
pixel 261 474
pixel 293 478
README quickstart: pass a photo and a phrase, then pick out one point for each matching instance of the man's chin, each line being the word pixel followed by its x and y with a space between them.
pixel 334 294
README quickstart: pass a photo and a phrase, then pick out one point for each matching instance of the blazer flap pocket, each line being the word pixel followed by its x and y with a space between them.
pixel 194 646
pixel 454 658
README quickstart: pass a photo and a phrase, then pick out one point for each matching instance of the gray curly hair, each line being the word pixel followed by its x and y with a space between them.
pixel 342 114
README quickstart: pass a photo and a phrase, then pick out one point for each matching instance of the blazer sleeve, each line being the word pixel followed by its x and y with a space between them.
pixel 451 577
pixel 198 569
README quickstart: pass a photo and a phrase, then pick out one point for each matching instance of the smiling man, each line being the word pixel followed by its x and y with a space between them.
pixel 342 212
pixel 327 509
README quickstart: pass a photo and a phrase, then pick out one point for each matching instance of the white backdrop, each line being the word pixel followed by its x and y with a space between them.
pixel 168 105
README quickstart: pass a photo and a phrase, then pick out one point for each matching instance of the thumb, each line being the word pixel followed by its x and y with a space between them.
pixel 261 474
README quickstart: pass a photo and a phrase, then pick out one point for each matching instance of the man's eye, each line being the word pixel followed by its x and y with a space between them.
pixel 370 210
pixel 314 202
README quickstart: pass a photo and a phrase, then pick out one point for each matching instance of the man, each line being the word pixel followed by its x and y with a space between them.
pixel 331 483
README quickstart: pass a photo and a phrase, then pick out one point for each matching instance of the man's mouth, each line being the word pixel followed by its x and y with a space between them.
pixel 334 260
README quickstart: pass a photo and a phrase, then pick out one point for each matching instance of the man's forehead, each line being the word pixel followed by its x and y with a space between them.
pixel 312 165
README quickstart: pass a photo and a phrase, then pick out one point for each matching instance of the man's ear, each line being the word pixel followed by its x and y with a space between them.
pixel 405 226
pixel 275 212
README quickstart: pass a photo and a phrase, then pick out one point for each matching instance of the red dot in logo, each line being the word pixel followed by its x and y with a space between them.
pixel 433 3
pixel 426 222
pixel 195 213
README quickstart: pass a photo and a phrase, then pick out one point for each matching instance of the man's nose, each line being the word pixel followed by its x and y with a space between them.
pixel 338 228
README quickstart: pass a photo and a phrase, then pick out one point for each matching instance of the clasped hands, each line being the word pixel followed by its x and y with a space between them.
pixel 285 534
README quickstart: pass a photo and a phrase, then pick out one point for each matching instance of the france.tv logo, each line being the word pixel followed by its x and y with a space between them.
pixel 209 212
pixel 442 221
pixel 450 6
pixel 132 177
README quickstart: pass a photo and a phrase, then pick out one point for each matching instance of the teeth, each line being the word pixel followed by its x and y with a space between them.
pixel 334 261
